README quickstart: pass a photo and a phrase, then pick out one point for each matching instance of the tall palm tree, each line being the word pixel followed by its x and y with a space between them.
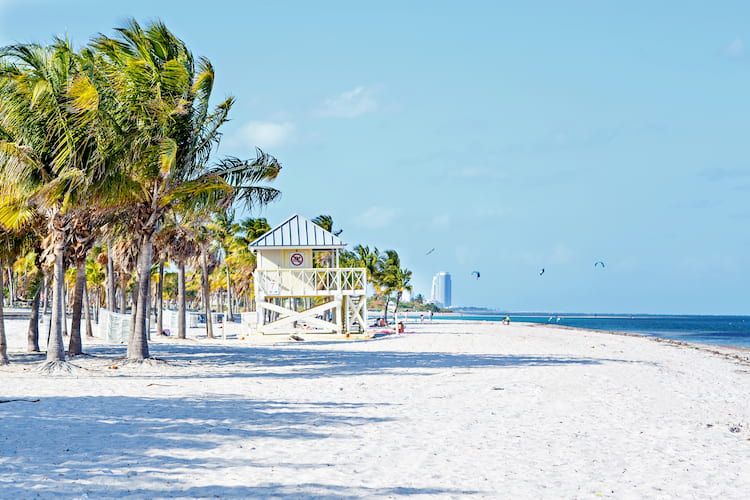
pixel 399 281
pixel 243 262
pixel 392 278
pixel 29 267
pixel 48 155
pixel 167 94
pixel 206 261
pixel 373 261
pixel 178 243
pixel 224 228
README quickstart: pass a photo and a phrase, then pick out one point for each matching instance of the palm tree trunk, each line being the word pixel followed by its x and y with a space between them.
pixel 124 293
pixel 181 306
pixel 75 345
pixel 111 304
pixel 138 343
pixel 230 309
pixel 3 340
pixel 64 306
pixel 385 309
pixel 55 351
pixel 11 287
pixel 47 292
pixel 87 310
pixel 206 293
pixel 160 299
pixel 32 344
pixel 97 305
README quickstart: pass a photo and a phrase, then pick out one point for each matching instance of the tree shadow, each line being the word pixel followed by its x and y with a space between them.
pixel 323 362
pixel 116 446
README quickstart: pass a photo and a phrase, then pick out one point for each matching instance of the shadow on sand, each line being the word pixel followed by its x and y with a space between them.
pixel 146 447
pixel 300 361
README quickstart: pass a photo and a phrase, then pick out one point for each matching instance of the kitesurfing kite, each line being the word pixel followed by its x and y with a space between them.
pixel 430 251
pixel 541 272
pixel 477 273
pixel 598 263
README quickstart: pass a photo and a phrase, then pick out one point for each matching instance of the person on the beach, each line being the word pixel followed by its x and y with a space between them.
pixel 506 320
pixel 421 318
pixel 400 327
pixel 430 316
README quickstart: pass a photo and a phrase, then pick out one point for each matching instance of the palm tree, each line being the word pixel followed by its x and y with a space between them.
pixel 243 261
pixel 29 267
pixel 399 280
pixel 167 94
pixel 254 228
pixel 48 156
pixel 371 260
pixel 204 240
pixel 392 278
pixel 13 244
pixel 224 229
pixel 326 222
pixel 3 340
pixel 178 243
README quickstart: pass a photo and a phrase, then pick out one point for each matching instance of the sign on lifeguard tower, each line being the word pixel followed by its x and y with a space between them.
pixel 299 287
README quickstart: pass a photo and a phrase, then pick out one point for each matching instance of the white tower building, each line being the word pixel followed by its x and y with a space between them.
pixel 441 289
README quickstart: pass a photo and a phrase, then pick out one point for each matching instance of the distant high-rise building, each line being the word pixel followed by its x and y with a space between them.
pixel 441 289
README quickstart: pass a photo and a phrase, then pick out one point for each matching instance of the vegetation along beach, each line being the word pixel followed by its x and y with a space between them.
pixel 400 250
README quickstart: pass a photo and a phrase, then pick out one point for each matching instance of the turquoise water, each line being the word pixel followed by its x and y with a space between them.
pixel 733 331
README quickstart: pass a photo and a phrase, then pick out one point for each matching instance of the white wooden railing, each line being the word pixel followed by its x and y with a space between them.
pixel 309 282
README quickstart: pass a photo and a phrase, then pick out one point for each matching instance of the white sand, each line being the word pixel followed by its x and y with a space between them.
pixel 451 410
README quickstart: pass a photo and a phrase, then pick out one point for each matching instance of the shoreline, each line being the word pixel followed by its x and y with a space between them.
pixel 662 334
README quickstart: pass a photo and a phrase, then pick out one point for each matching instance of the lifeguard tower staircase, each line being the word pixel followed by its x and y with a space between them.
pixel 299 286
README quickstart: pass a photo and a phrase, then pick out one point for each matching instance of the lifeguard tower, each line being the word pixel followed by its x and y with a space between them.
pixel 299 286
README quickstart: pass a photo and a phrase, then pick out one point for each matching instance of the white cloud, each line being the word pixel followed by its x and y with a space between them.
pixel 350 104
pixel 377 217
pixel 735 49
pixel 265 134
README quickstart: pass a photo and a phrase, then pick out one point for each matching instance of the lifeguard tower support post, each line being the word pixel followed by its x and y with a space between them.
pixel 299 286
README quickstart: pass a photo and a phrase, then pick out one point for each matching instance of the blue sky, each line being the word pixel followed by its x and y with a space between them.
pixel 509 136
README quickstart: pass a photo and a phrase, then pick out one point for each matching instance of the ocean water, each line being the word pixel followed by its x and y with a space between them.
pixel 733 331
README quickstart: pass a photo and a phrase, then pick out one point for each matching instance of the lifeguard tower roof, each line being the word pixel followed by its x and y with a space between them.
pixel 297 232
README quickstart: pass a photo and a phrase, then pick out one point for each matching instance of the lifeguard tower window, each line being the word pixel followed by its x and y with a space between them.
pixel 322 258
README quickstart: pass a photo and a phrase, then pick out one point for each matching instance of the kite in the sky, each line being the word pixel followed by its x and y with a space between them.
pixel 598 263
pixel 477 273
pixel 430 251
pixel 541 272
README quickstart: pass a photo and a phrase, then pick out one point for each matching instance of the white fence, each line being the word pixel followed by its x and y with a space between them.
pixel 192 319
pixel 115 327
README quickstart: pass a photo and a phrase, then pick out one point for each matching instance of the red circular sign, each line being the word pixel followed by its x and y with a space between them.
pixel 296 259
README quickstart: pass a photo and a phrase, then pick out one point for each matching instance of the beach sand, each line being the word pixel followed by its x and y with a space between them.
pixel 449 409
